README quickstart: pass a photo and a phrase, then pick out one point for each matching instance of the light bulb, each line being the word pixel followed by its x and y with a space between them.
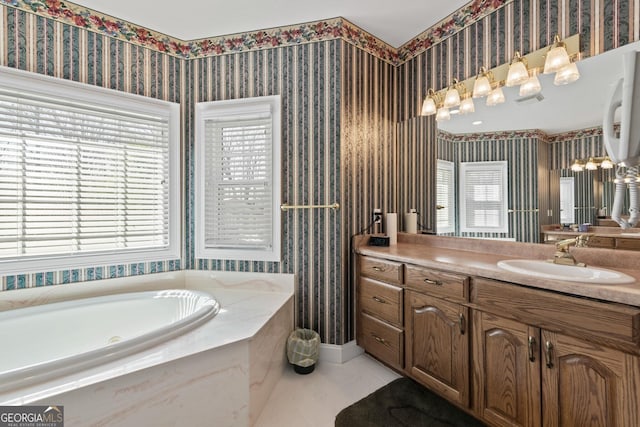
pixel 495 97
pixel 577 166
pixel 517 73
pixel 531 86
pixel 591 165
pixel 428 107
pixel 467 106
pixel 443 114
pixel 606 163
pixel 452 98
pixel 567 74
pixel 481 87
pixel 557 57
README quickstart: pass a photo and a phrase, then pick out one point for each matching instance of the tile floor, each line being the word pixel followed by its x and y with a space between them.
pixel 314 400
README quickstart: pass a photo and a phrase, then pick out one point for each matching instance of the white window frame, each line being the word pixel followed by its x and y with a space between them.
pixel 451 208
pixel 84 93
pixel 499 167
pixel 567 189
pixel 245 107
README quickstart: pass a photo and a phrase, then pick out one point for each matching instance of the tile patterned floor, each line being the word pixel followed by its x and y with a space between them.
pixel 314 400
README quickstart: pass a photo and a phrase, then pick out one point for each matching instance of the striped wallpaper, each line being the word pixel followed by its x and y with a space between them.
pixel 352 132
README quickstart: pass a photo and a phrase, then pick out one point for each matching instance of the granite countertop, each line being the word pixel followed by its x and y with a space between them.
pixel 479 258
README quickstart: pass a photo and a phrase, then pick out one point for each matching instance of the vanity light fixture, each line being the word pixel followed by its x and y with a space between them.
pixel 531 86
pixel 467 106
pixel 443 114
pixel 592 163
pixel 557 57
pixel 429 106
pixel 567 74
pixel 482 85
pixel 518 72
pixel 577 166
pixel 452 98
pixel 495 97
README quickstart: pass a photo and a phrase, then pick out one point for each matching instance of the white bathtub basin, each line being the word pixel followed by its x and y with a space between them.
pixel 46 341
pixel 570 273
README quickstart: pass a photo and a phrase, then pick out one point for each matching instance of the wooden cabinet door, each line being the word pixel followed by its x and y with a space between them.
pixel 437 345
pixel 506 367
pixel 585 384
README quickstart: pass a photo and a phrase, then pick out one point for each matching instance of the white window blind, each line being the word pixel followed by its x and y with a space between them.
pixel 483 197
pixel 239 170
pixel 567 201
pixel 445 197
pixel 81 177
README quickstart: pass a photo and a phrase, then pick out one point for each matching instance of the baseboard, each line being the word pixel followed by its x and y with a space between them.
pixel 339 353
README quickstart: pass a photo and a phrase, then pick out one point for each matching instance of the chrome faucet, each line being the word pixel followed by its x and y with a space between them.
pixel 563 256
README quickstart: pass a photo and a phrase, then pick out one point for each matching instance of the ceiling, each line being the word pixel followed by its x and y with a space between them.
pixel 393 21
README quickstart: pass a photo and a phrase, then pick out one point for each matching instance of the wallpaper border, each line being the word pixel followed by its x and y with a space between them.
pixel 328 29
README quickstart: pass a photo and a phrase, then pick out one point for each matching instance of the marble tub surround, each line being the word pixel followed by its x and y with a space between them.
pixel 218 374
pixel 476 257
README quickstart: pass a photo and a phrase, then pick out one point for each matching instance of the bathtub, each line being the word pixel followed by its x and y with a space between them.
pixel 220 373
pixel 92 331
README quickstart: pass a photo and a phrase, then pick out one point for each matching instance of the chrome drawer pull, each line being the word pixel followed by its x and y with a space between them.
pixel 532 343
pixel 433 282
pixel 381 301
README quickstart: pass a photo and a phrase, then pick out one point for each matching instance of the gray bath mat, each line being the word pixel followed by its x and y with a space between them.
pixel 404 403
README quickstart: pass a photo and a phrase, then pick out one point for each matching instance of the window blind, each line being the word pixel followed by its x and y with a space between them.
pixel 445 197
pixel 239 185
pixel 483 197
pixel 77 177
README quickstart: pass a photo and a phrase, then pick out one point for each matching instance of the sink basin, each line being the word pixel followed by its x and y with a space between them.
pixel 571 273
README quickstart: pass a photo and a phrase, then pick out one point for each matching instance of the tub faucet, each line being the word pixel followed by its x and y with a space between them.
pixel 563 256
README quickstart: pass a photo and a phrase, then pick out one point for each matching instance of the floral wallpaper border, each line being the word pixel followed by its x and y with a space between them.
pixel 455 22
pixel 493 136
pixel 335 28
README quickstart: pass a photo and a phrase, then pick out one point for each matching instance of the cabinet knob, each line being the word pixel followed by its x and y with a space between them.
pixel 376 268
pixel 380 300
pixel 433 282
pixel 380 340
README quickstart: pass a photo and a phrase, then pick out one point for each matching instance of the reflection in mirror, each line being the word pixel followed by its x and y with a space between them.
pixel 567 125
pixel 567 201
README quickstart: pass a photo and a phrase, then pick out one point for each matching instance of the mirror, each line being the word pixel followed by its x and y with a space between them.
pixel 540 137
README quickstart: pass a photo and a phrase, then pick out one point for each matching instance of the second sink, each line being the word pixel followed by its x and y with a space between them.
pixel 548 270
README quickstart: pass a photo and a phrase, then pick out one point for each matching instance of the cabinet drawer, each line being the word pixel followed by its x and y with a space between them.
pixel 590 319
pixel 601 242
pixel 437 283
pixel 629 244
pixel 381 300
pixel 388 271
pixel 382 340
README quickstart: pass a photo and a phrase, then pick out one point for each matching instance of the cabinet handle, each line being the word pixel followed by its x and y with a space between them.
pixel 380 300
pixel 532 343
pixel 433 282
pixel 376 268
pixel 461 323
pixel 380 340
pixel 549 353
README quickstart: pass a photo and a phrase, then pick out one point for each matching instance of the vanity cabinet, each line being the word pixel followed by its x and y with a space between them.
pixel 511 355
pixel 542 359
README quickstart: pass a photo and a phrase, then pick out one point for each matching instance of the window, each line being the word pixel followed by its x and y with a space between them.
pixel 567 201
pixel 88 176
pixel 483 197
pixel 445 197
pixel 238 179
